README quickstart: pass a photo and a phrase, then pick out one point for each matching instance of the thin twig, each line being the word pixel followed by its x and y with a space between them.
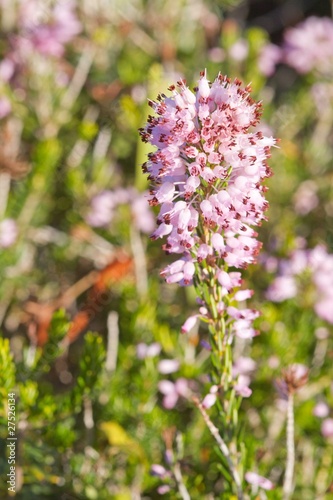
pixel 289 475
pixel 223 447
pixel 79 78
pixel 4 192
pixel 140 264
pixel 180 482
pixel 113 341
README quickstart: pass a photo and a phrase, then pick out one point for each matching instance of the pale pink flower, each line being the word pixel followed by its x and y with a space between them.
pixel 282 288
pixel 46 29
pixel 209 400
pixel 305 199
pixel 163 489
pixel 8 233
pixel 308 46
pixel 269 57
pixel 243 366
pixel 327 428
pixel 166 366
pixel 257 480
pixel 189 323
pixel 321 410
pixel 5 107
pixel 172 391
pixel 239 50
pixel 158 470
pixel 148 351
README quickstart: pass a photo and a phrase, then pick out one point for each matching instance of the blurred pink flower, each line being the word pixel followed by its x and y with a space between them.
pixel 5 107
pixel 327 428
pixel 269 57
pixel 239 50
pixel 8 232
pixel 142 214
pixel 158 470
pixel 256 480
pixel 242 386
pixel 305 199
pixel 7 68
pixel 148 351
pixel 163 489
pixel 282 288
pixel 243 366
pixel 209 400
pixel 308 46
pixel 48 30
pixel 189 323
pixel 166 366
pixel 173 391
pixel 321 410
pixel 103 208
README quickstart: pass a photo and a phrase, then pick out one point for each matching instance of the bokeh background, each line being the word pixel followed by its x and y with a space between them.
pixel 91 340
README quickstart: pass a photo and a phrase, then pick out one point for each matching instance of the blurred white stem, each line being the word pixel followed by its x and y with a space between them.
pixel 88 417
pixel 289 475
pixel 4 192
pixel 79 79
pixel 139 262
pixel 180 482
pixel 113 341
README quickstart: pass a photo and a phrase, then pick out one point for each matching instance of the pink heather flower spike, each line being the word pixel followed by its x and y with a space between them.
pixel 206 173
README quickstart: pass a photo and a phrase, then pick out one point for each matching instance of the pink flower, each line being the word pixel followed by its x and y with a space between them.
pixel 166 366
pixel 308 46
pixel 5 107
pixel 269 56
pixel 209 400
pixel 327 428
pixel 104 206
pixel 159 471
pixel 321 410
pixel 148 351
pixel 189 323
pixel 306 199
pixel 239 50
pixel 50 35
pixel 8 233
pixel 256 480
pixel 317 265
pixel 242 386
pixel 243 366
pixel 282 288
pixel 172 391
pixel 206 173
pixel 163 489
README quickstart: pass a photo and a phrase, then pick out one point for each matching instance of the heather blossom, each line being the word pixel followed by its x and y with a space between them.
pixel 316 266
pixel 308 46
pixel 207 175
pixel 8 233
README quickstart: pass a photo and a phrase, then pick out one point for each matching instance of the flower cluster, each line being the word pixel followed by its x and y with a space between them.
pixel 317 265
pixel 105 204
pixel 306 47
pixel 207 174
pixel 43 30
